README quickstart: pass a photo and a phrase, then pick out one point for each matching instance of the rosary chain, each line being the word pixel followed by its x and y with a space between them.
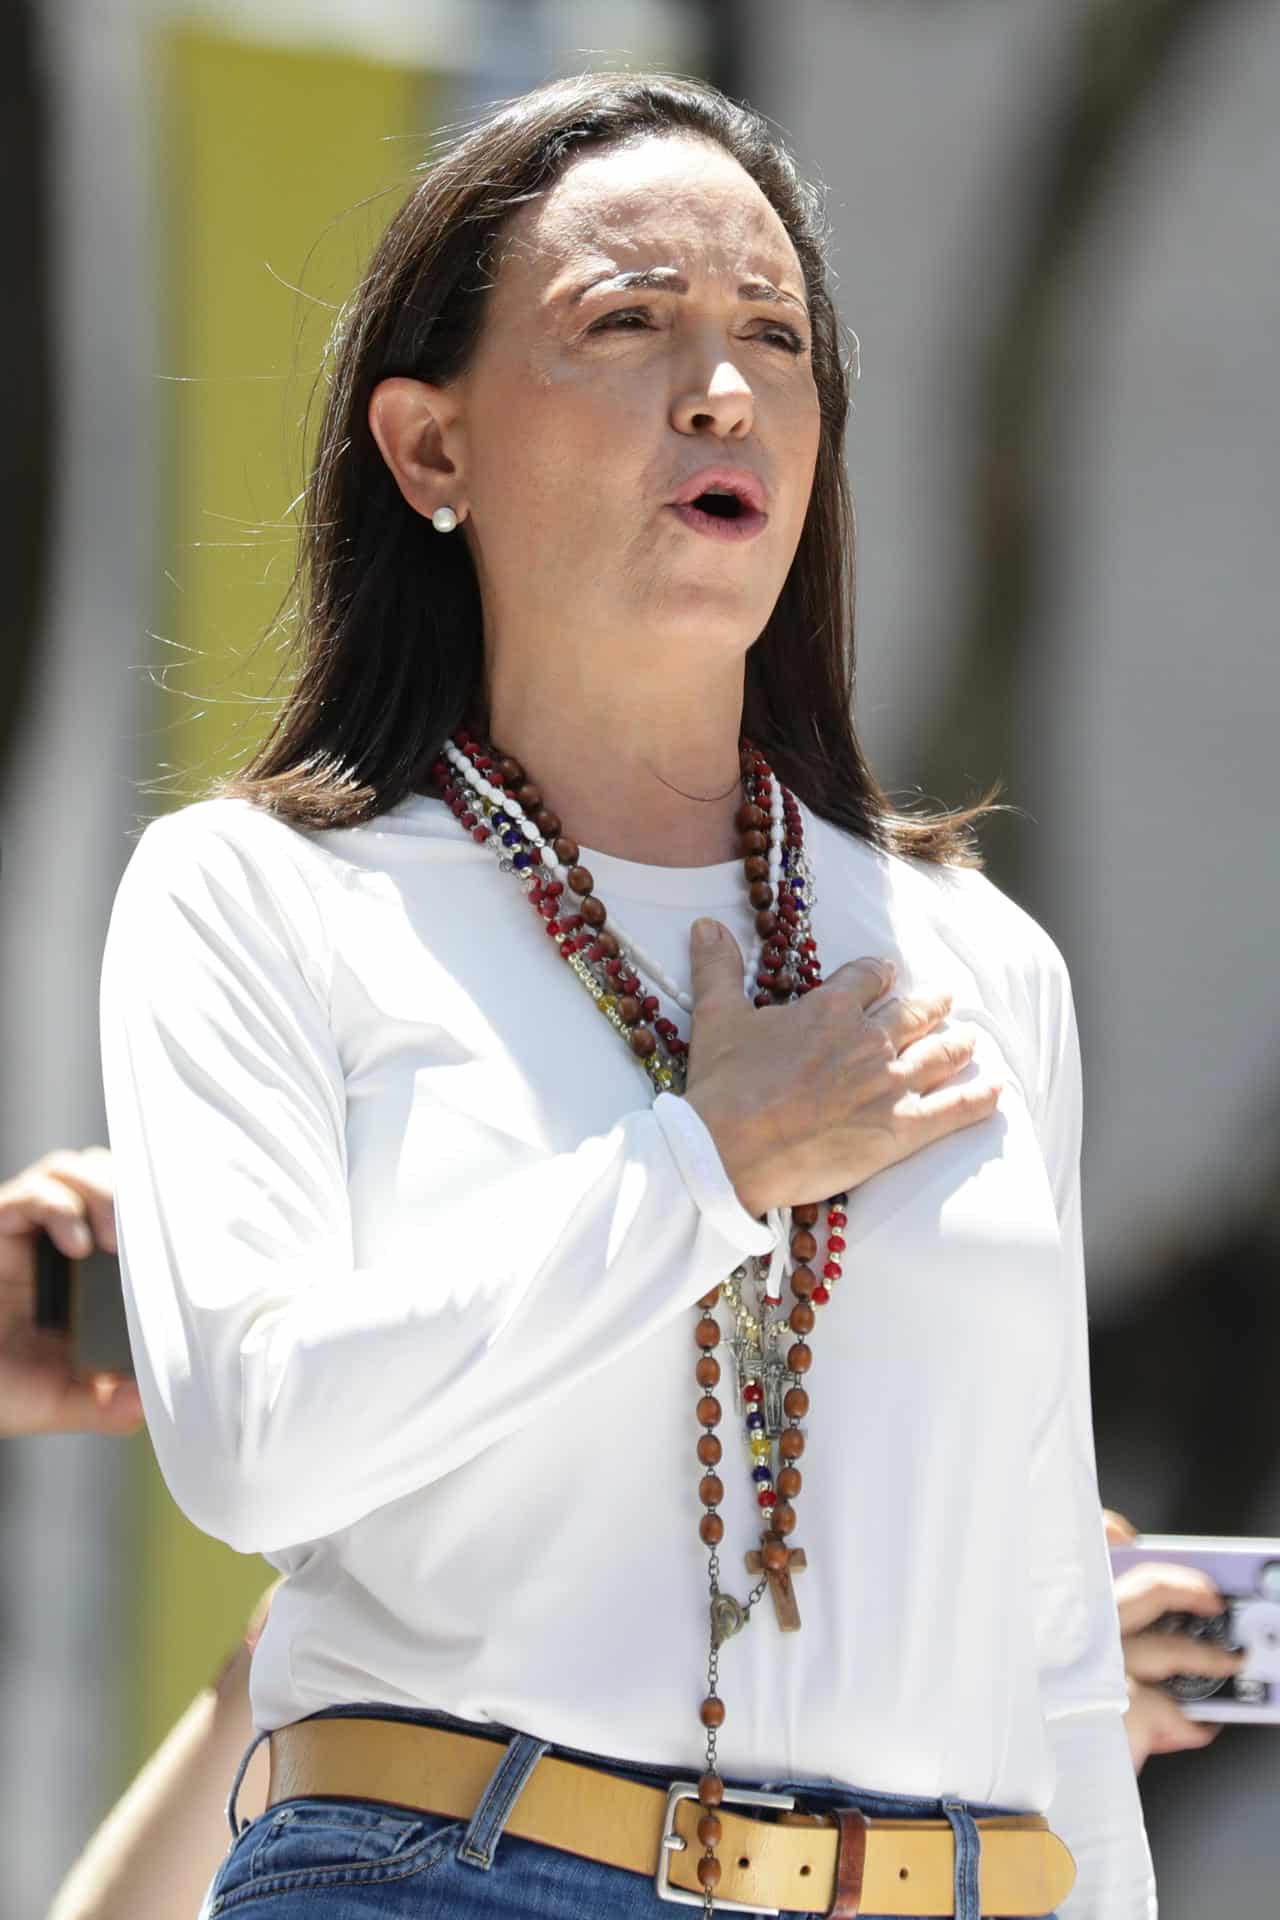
pixel 783 963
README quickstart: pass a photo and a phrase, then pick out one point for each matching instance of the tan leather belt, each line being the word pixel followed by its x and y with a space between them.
pixel 840 1864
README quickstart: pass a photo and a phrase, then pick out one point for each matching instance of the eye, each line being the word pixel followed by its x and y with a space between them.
pixel 785 336
pixel 615 322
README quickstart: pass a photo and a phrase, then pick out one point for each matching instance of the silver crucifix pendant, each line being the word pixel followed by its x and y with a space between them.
pixel 746 1365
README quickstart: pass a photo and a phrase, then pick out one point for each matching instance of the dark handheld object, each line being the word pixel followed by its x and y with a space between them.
pixel 53 1286
pixel 85 1300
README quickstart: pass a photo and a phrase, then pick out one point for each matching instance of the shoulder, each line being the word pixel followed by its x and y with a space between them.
pixel 218 840
pixel 1016 966
pixel 969 911
pixel 222 874
pixel 1023 978
pixel 226 860
pixel 416 831
pixel 963 907
pixel 203 825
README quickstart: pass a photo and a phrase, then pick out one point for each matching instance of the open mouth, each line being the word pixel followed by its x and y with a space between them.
pixel 725 506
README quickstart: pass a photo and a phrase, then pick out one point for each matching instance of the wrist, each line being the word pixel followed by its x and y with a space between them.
pixel 727 1138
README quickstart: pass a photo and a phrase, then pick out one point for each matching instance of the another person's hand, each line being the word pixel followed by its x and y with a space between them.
pixel 807 1099
pixel 69 1194
pixel 1155 1723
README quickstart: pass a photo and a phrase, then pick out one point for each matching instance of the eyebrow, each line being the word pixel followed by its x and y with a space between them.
pixel 667 280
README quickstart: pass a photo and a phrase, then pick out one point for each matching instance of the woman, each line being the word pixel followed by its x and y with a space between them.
pixel 430 1296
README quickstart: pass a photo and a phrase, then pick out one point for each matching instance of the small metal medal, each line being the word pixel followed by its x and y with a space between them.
pixel 728 1616
pixel 775 1379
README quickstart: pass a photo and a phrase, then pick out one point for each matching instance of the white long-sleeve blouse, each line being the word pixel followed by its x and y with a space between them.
pixel 410 1257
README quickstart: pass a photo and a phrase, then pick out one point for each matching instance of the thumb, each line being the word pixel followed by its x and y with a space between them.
pixel 118 1402
pixel 1119 1531
pixel 717 962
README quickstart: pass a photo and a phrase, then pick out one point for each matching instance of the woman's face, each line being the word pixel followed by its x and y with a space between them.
pixel 647 324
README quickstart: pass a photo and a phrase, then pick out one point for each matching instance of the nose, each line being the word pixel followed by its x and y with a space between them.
pixel 721 404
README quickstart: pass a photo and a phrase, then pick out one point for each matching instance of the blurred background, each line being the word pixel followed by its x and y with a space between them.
pixel 1056 237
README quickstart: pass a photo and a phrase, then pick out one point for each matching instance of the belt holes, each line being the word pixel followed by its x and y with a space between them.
pixel 744 1862
pixel 904 1873
pixel 804 1870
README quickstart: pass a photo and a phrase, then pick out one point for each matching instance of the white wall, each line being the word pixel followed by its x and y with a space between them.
pixel 1151 723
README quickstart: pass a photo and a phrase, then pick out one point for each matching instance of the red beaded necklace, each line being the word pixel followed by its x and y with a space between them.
pixel 493 799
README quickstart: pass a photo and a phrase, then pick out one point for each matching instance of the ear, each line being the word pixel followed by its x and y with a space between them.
pixel 416 428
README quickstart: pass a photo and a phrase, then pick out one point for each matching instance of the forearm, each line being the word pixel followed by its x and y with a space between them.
pixel 326 1391
pixel 155 1852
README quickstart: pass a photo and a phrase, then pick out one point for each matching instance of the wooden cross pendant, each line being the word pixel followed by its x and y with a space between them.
pixel 784 1598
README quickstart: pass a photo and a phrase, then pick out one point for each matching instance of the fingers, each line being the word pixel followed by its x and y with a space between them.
pixel 925 1063
pixel 865 979
pixel 952 1108
pixel 905 1020
pixel 67 1193
pixel 1156 1723
pixel 1158 1656
pixel 930 1062
pixel 1119 1531
pixel 717 965
pixel 1155 1587
pixel 36 1200
pixel 88 1174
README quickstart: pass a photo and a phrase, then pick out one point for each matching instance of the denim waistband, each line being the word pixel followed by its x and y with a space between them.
pixel 823 1793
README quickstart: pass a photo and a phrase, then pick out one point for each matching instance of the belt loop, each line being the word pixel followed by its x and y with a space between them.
pixel 851 1857
pixel 250 1750
pixel 504 1789
pixel 968 1854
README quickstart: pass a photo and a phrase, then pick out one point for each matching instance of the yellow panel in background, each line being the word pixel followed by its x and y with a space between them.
pixel 267 153
pixel 282 166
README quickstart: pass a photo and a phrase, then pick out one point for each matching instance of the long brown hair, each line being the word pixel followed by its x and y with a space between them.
pixel 388 616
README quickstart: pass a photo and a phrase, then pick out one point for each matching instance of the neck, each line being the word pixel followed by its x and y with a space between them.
pixel 634 763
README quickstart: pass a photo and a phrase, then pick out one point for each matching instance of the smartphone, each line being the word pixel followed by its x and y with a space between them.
pixel 1247 1575
pixel 84 1298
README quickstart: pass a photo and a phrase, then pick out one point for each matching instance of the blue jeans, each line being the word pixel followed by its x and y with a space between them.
pixel 356 1859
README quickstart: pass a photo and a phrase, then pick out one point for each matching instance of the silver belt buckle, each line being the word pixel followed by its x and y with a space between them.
pixel 672 1842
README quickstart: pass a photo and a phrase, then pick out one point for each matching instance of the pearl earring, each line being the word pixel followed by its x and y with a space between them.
pixel 444 519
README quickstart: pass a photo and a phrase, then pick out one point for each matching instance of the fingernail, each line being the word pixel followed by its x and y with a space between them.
pixel 81 1238
pixel 705 933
